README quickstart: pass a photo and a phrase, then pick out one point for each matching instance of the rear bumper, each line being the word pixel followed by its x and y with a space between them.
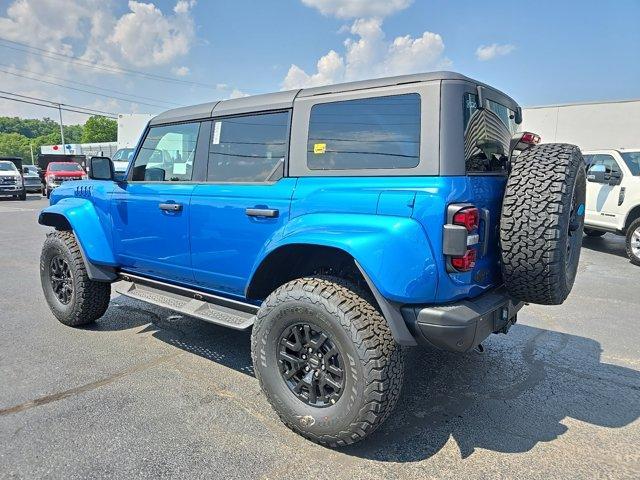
pixel 460 326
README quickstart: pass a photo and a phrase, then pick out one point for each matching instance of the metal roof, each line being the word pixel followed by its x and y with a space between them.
pixel 283 100
pixel 184 114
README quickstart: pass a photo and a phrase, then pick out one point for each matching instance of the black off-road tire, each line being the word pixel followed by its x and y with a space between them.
pixel 22 196
pixel 633 242
pixel 88 299
pixel 590 232
pixel 373 379
pixel 542 223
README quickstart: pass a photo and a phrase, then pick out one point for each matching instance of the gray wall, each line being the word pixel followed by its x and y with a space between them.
pixel 590 125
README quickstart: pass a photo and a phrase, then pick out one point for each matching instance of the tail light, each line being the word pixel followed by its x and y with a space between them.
pixel 461 236
pixel 523 140
pixel 466 262
pixel 530 138
pixel 468 217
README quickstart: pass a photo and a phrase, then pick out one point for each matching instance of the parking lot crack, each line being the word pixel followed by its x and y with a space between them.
pixel 87 387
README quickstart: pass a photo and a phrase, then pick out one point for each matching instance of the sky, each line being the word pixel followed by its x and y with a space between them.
pixel 162 53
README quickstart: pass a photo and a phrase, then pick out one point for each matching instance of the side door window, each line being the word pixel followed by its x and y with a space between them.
pixel 249 148
pixel 167 154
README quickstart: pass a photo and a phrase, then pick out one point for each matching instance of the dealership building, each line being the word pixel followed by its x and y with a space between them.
pixel 591 126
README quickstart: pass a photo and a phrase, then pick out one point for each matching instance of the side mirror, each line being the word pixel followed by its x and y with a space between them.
pixel 615 178
pixel 101 168
pixel 597 173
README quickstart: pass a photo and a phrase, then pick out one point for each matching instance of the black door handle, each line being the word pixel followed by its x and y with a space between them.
pixel 262 212
pixel 170 207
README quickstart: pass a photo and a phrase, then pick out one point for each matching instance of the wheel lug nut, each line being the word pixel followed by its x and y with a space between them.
pixel 333 401
pixel 304 357
pixel 306 368
pixel 323 367
pixel 310 350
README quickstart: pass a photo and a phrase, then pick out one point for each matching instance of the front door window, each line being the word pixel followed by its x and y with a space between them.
pixel 167 154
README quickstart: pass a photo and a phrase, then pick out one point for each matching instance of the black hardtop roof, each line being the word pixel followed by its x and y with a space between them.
pixel 283 100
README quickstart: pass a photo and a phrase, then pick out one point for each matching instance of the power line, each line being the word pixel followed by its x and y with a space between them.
pixel 82 90
pixel 133 96
pixel 85 63
pixel 56 104
pixel 52 106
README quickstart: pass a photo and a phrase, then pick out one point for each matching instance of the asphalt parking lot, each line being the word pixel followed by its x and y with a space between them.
pixel 149 394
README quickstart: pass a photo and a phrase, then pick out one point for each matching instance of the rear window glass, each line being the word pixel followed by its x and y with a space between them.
pixel 368 133
pixel 487 134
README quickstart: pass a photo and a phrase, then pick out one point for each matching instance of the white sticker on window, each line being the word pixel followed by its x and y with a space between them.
pixel 217 127
pixel 179 168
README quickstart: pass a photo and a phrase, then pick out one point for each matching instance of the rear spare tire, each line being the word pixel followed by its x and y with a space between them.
pixel 542 223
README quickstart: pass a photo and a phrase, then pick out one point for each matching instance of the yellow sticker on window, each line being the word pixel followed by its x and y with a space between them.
pixel 319 148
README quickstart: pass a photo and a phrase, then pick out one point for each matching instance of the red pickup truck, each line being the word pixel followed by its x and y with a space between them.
pixel 59 172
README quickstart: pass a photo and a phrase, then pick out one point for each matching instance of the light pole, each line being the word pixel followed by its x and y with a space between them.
pixel 61 129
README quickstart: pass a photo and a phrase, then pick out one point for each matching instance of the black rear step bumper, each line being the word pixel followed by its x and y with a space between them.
pixel 461 326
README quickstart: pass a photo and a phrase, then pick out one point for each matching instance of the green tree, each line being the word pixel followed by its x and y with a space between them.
pixel 29 127
pixel 15 145
pixel 99 129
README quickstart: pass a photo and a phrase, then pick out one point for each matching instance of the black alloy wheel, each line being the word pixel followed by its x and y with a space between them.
pixel 61 279
pixel 311 365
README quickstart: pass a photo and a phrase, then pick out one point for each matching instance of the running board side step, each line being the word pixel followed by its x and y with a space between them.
pixel 208 307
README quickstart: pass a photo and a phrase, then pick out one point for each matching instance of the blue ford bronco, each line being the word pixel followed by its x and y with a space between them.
pixel 341 223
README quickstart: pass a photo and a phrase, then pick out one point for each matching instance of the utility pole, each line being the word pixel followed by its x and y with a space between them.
pixel 31 148
pixel 64 148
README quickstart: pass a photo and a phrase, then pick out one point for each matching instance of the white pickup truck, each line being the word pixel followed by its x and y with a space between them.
pixel 613 196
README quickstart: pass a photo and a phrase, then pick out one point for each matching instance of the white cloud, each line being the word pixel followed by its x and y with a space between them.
pixel 488 52
pixel 330 67
pixel 369 54
pixel 148 37
pixel 183 6
pixel 358 8
pixel 91 29
pixel 144 36
pixel 236 93
pixel 181 71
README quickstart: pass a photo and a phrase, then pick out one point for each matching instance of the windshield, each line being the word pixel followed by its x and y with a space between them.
pixel 123 154
pixel 632 159
pixel 7 167
pixel 65 167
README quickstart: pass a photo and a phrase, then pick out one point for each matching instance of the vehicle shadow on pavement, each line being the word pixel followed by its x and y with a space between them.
pixel 218 344
pixel 515 395
pixel 611 244
pixel 518 393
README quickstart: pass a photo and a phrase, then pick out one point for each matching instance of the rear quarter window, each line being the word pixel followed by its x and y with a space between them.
pixel 367 133
pixel 487 135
